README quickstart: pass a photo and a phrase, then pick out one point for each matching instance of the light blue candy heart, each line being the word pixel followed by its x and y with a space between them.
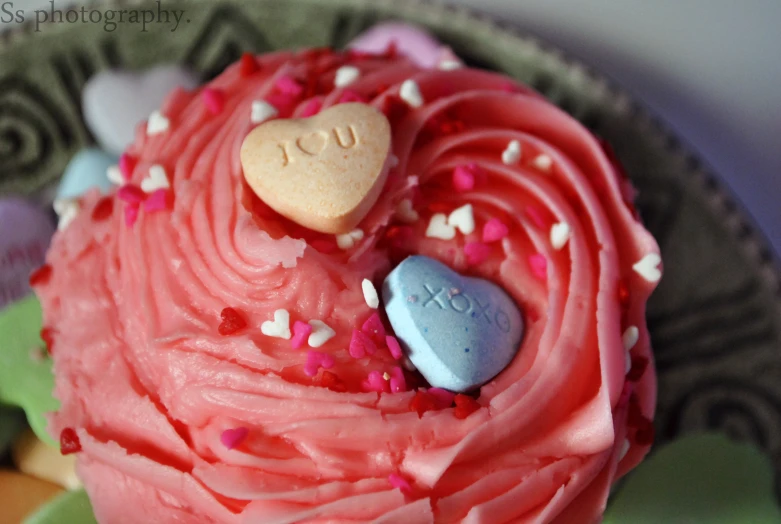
pixel 459 331
pixel 86 170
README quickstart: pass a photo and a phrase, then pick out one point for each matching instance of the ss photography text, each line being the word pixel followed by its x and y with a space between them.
pixel 110 19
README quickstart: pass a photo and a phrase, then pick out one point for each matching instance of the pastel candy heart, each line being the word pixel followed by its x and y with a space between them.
pixel 323 172
pixel 25 233
pixel 87 170
pixel 140 94
pixel 459 331
pixel 411 41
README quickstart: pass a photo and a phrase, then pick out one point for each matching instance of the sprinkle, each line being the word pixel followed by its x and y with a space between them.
pixel 648 267
pixel 346 75
pixel 127 164
pixel 463 218
pixel 398 383
pixel 332 381
pixel 157 179
pixel 301 331
pixel 279 327
pixel 386 376
pixel 439 228
pixel 374 328
pixel 625 445
pixel 375 382
pixel 157 201
pixel 232 322
pixel 423 402
pixel 131 215
pixel 361 344
pixel 393 346
pixel 311 108
pixel 131 194
pixel 406 213
pixel 543 162
pixel 348 240
pixel 103 209
pixel 321 333
pixel 370 294
pixel 410 93
pixel 47 335
pixel 512 154
pixel 157 124
pixel 213 99
pixel 559 235
pixel 463 179
pixel 476 252
pixel 449 65
pixel 69 441
pixel 248 65
pixel 41 276
pixel 630 337
pixel 349 95
pixel 443 397
pixel 67 210
pixel 465 406
pixel 494 230
pixel 232 438
pixel 262 111
pixel 288 86
pixel 539 266
pixel 536 215
pixel 315 360
pixel 398 482
pixel 114 175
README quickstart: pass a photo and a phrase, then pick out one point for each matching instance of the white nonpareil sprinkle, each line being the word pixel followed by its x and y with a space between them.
pixel 630 337
pixel 67 209
pixel 449 65
pixel 279 327
pixel 559 235
pixel 406 213
pixel 157 179
pixel 370 294
pixel 262 111
pixel 157 123
pixel 348 240
pixel 410 93
pixel 439 228
pixel 346 75
pixel 321 333
pixel 648 267
pixel 463 218
pixel 512 154
pixel 114 175
pixel 543 162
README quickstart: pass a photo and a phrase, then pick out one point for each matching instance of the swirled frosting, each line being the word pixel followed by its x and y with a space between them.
pixel 149 385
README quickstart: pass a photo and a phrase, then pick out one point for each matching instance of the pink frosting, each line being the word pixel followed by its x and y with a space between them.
pixel 151 386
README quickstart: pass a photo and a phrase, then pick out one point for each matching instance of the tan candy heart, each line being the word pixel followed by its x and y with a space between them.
pixel 323 172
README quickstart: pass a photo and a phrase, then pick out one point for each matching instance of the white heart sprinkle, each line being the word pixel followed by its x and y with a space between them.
pixel 625 445
pixel 157 179
pixel 463 218
pixel 559 235
pixel 543 162
pixel 630 337
pixel 439 228
pixel 262 111
pixel 67 209
pixel 410 93
pixel 406 212
pixel 370 294
pixel 157 123
pixel 512 153
pixel 348 240
pixel 648 267
pixel 346 75
pixel 279 327
pixel 321 333
pixel 449 65
pixel 114 176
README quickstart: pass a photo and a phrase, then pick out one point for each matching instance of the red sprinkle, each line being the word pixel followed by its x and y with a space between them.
pixel 69 441
pixel 422 402
pixel 131 194
pixel 248 65
pixel 465 406
pixel 463 179
pixel 374 328
pixel 213 99
pixel 332 381
pixel 47 335
pixel 301 332
pixel 103 209
pixel 639 365
pixel 539 266
pixel 232 321
pixel 231 438
pixel 41 276
pixel 476 252
pixel 443 398
pixel 127 164
pixel 494 230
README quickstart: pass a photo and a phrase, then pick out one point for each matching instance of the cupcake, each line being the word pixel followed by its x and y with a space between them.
pixel 237 335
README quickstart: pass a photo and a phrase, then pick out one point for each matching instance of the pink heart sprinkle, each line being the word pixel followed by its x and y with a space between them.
pixel 361 344
pixel 375 382
pixel 213 99
pixel 397 481
pixel 311 108
pixel 476 252
pixel 539 266
pixel 315 360
pixel 463 179
pixel 494 230
pixel 536 216
pixel 131 194
pixel 231 438
pixel 393 346
pixel 374 328
pixel 288 86
pixel 443 397
pixel 131 214
pixel 397 382
pixel 301 332
pixel 126 166
pixel 157 201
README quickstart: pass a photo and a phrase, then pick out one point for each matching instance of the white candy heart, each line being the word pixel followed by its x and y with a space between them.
pixel 543 162
pixel 321 333
pixel 157 123
pixel 346 75
pixel 157 179
pixel 406 212
pixel 279 327
pixel 370 294
pixel 463 218
pixel 648 267
pixel 630 337
pixel 410 93
pixel 114 176
pixel 67 209
pixel 439 228
pixel 262 111
pixel 559 235
pixel 512 153
pixel 348 240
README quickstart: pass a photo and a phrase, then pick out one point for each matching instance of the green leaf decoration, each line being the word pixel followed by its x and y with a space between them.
pixel 72 507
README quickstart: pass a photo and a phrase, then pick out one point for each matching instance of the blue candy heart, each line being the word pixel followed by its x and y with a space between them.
pixel 86 170
pixel 460 332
